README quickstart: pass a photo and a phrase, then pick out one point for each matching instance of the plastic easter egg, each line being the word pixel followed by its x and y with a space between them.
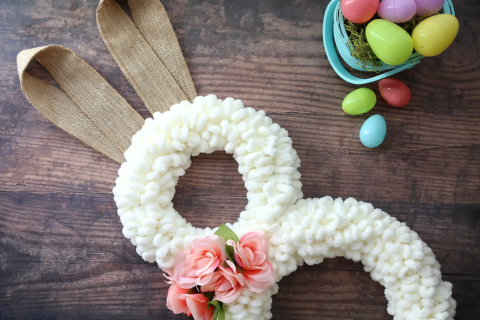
pixel 359 101
pixel 395 92
pixel 359 11
pixel 390 43
pixel 428 7
pixel 397 11
pixel 373 131
pixel 435 34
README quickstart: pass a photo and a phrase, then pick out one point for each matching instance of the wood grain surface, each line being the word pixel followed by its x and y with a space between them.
pixel 62 253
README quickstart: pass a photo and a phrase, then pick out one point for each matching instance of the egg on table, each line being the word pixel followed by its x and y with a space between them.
pixel 397 11
pixel 390 43
pixel 428 7
pixel 435 34
pixel 373 131
pixel 394 92
pixel 359 11
pixel 359 101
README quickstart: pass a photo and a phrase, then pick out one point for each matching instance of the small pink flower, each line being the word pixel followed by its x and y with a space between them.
pixel 197 304
pixel 169 276
pixel 227 284
pixel 251 254
pixel 175 300
pixel 197 266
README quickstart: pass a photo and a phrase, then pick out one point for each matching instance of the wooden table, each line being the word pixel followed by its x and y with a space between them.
pixel 62 253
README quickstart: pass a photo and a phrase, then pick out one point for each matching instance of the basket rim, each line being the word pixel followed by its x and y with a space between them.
pixel 330 46
pixel 341 40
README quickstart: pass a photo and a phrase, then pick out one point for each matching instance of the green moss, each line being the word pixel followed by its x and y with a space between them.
pixel 358 45
pixel 410 25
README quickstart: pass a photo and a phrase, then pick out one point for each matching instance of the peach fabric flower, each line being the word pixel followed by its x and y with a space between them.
pixel 175 300
pixel 227 284
pixel 197 266
pixel 197 304
pixel 251 254
pixel 168 274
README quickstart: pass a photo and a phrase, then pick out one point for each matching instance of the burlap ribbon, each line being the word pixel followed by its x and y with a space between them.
pixel 88 108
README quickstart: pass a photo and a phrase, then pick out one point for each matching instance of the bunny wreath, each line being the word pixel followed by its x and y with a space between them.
pixel 297 229
pixel 213 272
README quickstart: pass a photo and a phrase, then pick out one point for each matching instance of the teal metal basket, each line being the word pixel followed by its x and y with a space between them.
pixel 335 36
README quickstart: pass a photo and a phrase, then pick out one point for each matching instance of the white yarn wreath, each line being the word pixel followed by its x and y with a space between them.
pixel 298 229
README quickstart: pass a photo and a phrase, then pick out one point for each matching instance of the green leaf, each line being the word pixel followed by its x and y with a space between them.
pixel 230 253
pixel 192 290
pixel 227 233
pixel 209 295
pixel 219 312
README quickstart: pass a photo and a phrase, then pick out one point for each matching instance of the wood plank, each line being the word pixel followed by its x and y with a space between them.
pixel 53 162
pixel 66 251
pixel 361 299
pixel 123 291
pixel 79 228
pixel 255 55
pixel 62 254
pixel 263 51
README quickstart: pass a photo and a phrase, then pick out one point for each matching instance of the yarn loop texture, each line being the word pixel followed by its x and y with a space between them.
pixel 299 230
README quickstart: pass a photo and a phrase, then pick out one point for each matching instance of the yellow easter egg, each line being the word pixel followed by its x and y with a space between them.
pixel 435 34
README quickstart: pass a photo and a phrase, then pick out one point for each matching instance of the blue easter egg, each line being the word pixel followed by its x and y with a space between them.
pixel 373 131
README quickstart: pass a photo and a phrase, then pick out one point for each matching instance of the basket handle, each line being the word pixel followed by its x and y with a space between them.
pixel 337 65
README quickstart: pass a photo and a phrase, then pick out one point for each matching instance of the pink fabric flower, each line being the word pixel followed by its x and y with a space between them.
pixel 168 274
pixel 179 301
pixel 251 254
pixel 197 266
pixel 227 284
pixel 175 300
pixel 197 304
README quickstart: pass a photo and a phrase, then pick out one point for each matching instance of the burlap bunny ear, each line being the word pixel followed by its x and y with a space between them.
pixel 147 51
pixel 88 108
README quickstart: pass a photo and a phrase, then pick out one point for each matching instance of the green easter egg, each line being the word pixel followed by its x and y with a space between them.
pixel 390 43
pixel 359 101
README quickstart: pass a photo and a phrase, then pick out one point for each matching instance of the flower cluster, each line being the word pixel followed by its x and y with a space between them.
pixel 216 270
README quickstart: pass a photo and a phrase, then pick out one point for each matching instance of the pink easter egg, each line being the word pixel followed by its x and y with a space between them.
pixel 359 11
pixel 397 11
pixel 395 92
pixel 428 7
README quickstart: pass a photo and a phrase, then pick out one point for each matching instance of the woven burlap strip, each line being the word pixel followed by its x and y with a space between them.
pixel 159 84
pixel 152 21
pixel 88 108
